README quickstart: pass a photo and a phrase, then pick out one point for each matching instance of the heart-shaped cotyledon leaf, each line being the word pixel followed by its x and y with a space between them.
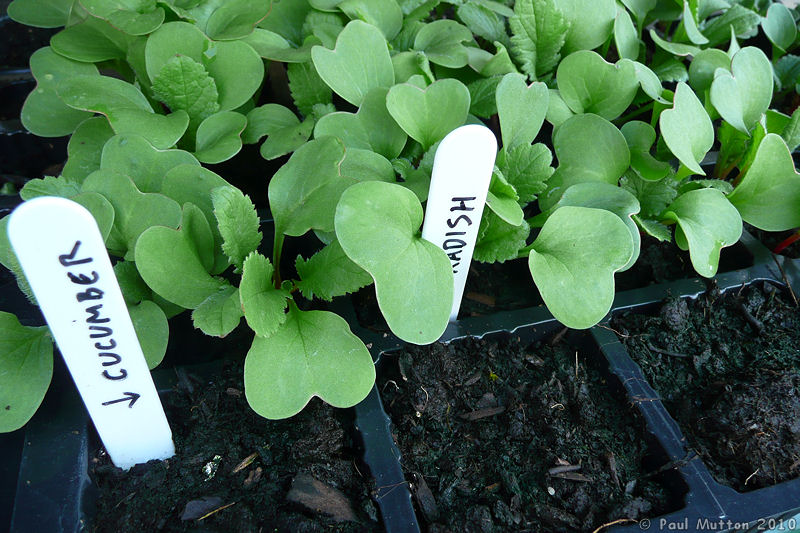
pixel 573 262
pixel 687 129
pixel 359 63
pixel 707 222
pixel 521 109
pixel 442 41
pixel 378 225
pixel 428 114
pixel 589 84
pixel 779 26
pixel 314 353
pixel 591 22
pixel 44 113
pixel 769 195
pixel 742 95
pixel 169 262
pixel 589 149
pixel 371 128
pixel 611 198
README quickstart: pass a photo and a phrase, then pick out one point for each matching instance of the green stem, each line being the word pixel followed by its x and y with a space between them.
pixel 635 113
pixel 525 252
pixel 683 172
pixel 276 257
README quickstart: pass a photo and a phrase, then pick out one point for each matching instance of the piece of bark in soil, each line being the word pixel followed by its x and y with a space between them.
pixel 424 498
pixel 318 497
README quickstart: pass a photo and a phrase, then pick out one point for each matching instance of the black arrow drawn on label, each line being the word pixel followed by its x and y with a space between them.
pixel 129 397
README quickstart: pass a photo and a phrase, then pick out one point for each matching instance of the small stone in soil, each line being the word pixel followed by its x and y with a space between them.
pixel 200 507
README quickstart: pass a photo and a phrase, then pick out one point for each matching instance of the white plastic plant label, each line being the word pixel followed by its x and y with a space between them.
pixel 462 171
pixel 64 258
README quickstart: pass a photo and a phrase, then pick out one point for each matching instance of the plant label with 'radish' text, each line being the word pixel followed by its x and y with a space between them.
pixel 62 253
pixel 462 171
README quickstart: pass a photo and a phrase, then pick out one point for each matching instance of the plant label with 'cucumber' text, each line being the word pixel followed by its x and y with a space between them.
pixel 62 253
pixel 462 171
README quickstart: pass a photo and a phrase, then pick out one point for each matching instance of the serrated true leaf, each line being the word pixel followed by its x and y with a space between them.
pixel 378 227
pixel 220 313
pixel 769 195
pixel 706 223
pixel 527 168
pixel 314 353
pixel 499 241
pixel 183 83
pixel 26 369
pixel 238 223
pixel 330 273
pixel 687 129
pixel 573 262
pixel 360 62
pixel 263 305
pixel 539 30
pixel 307 87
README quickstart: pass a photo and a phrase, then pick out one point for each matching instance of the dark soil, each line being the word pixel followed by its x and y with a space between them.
pixel 771 239
pixel 500 436
pixel 19 42
pixel 213 425
pixel 728 369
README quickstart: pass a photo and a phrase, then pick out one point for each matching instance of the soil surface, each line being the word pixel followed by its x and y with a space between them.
pixel 241 472
pixel 20 41
pixel 771 239
pixel 501 436
pixel 728 369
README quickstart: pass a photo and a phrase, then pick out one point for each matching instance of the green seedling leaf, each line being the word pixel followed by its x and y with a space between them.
pixel 126 108
pixel 573 262
pixel 791 132
pixel 521 109
pixel 735 21
pixel 232 19
pixel 589 149
pixel 690 25
pixel 131 17
pixel 779 26
pixel 304 192
pixel 263 305
pixel 26 369
pixel 538 32
pixel 502 199
pixel 742 95
pixel 146 165
pixel 527 168
pixel 49 186
pixel 625 35
pixel 266 120
pixel 152 330
pixel 41 13
pixel 218 137
pixel 557 111
pixel 410 64
pixel 371 128
pixel 611 198
pixel 287 18
pixel 703 67
pixel 672 70
pixel 235 67
pixel 183 83
pixel 238 224
pixel 482 21
pixel 640 137
pixel 648 80
pixel 654 228
pixel 365 165
pixel 676 49
pixel 499 241
pixel 287 140
pixel 653 196
pixel 307 87
pixel 85 148
pixel 427 115
pixel 220 313
pixel 359 63
pixel 134 289
pixel 588 84
pixel 91 41
pixel 378 227
pixel 769 195
pixel 495 65
pixel 482 102
pixel 787 71
pixel 272 46
pixel 707 222
pixel 591 22
pixel 134 211
pixel 168 262
pixel 44 113
pixel 443 43
pixel 687 129
pixel 385 15
pixel 330 273
pixel 197 230
pixel 313 354
pixel 9 260
pixel 640 8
